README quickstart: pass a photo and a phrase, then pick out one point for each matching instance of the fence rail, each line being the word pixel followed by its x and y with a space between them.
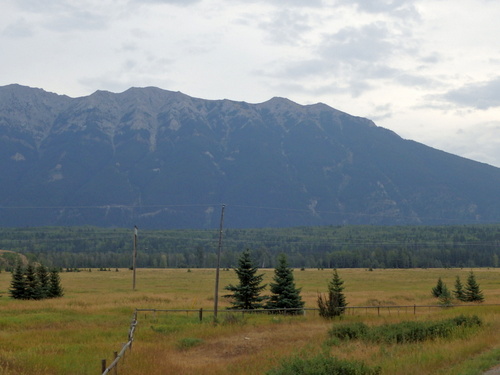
pixel 121 355
pixel 348 310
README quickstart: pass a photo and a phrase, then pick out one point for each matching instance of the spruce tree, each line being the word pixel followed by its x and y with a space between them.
pixel 32 290
pixel 472 291
pixel 459 292
pixel 55 288
pixel 438 289
pixel 246 295
pixel 334 303
pixel 284 293
pixel 43 280
pixel 18 284
pixel 445 298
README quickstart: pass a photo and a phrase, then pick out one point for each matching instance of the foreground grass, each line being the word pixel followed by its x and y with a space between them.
pixel 72 334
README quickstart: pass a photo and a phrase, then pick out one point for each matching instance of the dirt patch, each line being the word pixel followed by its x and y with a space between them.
pixel 253 341
pixel 493 371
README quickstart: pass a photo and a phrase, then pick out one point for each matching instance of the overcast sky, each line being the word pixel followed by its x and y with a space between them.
pixel 427 69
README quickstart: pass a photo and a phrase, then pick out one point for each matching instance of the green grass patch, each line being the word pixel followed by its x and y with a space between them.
pixel 188 343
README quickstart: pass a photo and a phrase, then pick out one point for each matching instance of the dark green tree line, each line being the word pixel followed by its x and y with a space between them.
pixel 35 283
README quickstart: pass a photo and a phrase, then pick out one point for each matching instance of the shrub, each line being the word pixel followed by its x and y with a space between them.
pixel 322 364
pixel 349 331
pixel 404 332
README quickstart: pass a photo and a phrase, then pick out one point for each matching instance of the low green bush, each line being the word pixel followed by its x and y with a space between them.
pixel 349 331
pixel 404 332
pixel 322 364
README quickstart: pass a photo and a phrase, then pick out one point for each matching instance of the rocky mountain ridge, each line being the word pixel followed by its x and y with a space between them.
pixel 162 159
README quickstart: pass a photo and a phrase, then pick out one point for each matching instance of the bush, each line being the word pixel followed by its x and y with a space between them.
pixel 349 331
pixel 404 332
pixel 322 364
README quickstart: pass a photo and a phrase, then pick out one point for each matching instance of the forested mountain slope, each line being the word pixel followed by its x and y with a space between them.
pixel 161 159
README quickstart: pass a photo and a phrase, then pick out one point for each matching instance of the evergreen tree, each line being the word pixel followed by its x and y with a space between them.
pixel 284 293
pixel 246 295
pixel 33 290
pixel 438 289
pixel 334 303
pixel 472 291
pixel 445 298
pixel 43 280
pixel 18 284
pixel 55 288
pixel 459 292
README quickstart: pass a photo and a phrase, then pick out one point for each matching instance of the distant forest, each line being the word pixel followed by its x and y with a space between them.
pixel 308 247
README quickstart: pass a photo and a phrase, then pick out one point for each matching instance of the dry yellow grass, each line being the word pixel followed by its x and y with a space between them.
pixel 72 334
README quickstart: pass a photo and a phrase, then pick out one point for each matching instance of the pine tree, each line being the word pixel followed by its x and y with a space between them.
pixel 44 280
pixel 438 289
pixel 18 284
pixel 284 293
pixel 246 295
pixel 55 288
pixel 334 303
pixel 472 291
pixel 459 293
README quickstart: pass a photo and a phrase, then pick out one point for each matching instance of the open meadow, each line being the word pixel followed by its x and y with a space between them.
pixel 70 335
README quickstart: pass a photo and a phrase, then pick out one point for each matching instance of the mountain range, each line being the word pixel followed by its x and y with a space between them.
pixel 161 159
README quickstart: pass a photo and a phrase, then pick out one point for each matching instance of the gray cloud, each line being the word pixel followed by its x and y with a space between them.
pixel 168 2
pixel 286 26
pixel 18 29
pixel 287 3
pixel 396 8
pixel 77 20
pixel 481 95
pixel 368 43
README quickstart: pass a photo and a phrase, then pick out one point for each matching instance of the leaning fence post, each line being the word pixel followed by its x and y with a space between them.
pixel 116 364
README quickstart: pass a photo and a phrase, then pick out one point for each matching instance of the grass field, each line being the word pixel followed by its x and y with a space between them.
pixel 72 334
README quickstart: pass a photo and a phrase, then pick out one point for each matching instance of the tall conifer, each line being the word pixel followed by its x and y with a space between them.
pixel 55 288
pixel 18 284
pixel 334 303
pixel 284 293
pixel 472 291
pixel 246 295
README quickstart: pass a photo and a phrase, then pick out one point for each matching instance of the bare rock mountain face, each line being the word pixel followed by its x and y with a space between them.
pixel 161 159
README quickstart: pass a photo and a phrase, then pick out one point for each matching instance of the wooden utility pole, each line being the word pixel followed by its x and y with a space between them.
pixel 134 257
pixel 216 298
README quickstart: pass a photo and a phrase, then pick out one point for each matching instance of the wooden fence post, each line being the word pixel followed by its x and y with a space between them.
pixel 103 365
pixel 116 365
pixel 201 314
